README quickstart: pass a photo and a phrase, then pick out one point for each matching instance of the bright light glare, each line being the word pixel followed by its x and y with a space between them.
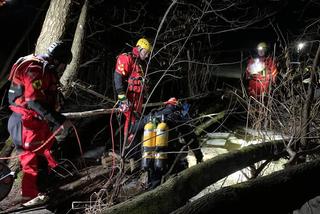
pixel 300 46
pixel 260 48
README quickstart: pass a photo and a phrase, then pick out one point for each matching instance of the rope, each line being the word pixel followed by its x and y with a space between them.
pixel 47 141
pixel 112 140
pixel 78 139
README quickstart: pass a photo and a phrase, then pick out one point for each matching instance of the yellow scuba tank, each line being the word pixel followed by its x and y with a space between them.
pixel 161 156
pixel 148 145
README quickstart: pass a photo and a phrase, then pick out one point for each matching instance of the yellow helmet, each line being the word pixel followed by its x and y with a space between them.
pixel 262 46
pixel 145 44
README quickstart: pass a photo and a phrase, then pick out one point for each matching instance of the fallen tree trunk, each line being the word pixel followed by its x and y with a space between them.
pixel 178 190
pixel 87 183
pixel 73 115
pixel 279 192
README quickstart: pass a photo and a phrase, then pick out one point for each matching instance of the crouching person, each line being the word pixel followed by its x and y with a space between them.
pixel 168 135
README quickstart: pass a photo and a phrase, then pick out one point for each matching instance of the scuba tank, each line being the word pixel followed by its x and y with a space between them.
pixel 148 145
pixel 161 146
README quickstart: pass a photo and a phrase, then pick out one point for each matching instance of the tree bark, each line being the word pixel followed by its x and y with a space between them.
pixel 77 48
pixel 54 24
pixel 88 181
pixel 179 189
pixel 279 192
pixel 199 129
pixel 189 73
pixel 73 115
pixel 309 100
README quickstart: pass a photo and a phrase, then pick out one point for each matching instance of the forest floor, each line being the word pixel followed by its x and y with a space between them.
pixel 213 145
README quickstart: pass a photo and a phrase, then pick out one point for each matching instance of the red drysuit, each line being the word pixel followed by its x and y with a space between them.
pixel 129 71
pixel 260 73
pixel 32 96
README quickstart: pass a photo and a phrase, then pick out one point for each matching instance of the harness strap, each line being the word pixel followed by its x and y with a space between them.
pixel 21 62
pixel 26 113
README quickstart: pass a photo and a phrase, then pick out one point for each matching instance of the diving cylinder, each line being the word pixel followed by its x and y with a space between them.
pixel 161 156
pixel 148 145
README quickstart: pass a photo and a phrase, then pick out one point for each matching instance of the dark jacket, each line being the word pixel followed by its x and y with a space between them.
pixel 181 131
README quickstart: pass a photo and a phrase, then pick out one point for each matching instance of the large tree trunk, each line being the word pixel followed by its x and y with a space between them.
pixel 178 190
pixel 78 42
pixel 54 24
pixel 279 192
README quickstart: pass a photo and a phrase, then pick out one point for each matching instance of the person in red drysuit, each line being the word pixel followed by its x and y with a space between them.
pixel 261 72
pixel 33 99
pixel 129 82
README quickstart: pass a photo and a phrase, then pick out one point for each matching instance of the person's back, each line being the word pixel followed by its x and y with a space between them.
pixel 181 138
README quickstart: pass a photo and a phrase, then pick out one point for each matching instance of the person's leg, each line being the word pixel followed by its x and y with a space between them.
pixel 29 165
pixel 15 129
pixel 154 179
pixel 44 134
pixel 181 165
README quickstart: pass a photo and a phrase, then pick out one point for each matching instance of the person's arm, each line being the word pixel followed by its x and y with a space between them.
pixel 140 123
pixel 196 149
pixel 46 112
pixel 118 83
pixel 121 72
pixel 191 138
pixel 34 96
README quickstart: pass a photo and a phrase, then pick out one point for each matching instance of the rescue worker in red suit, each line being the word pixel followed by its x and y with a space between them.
pixel 33 100
pixel 261 72
pixel 129 82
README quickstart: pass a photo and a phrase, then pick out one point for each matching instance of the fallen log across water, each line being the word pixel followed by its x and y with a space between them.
pixel 280 192
pixel 176 191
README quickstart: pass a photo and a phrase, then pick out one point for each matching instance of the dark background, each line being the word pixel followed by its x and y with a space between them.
pixel 283 24
pixel 16 16
pixel 291 17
